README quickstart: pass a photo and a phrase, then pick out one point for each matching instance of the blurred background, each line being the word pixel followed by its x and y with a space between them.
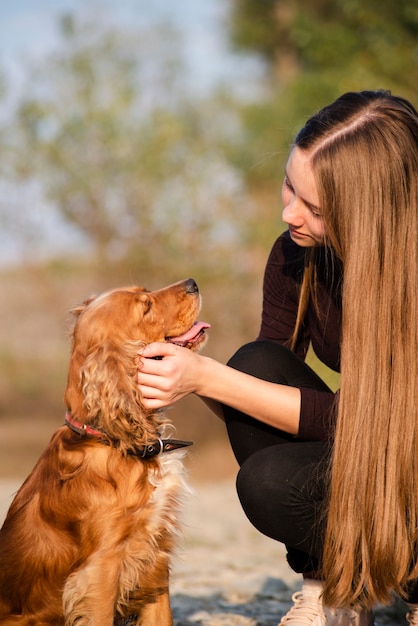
pixel 143 142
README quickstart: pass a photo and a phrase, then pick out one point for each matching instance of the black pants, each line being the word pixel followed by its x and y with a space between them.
pixel 282 481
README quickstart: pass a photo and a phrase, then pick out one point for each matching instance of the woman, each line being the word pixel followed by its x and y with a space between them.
pixel 333 477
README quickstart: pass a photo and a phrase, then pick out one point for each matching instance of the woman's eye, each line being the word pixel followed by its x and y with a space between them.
pixel 315 212
pixel 287 184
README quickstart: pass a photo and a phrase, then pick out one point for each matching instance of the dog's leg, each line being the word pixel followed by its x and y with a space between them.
pixel 90 593
pixel 157 613
pixel 150 603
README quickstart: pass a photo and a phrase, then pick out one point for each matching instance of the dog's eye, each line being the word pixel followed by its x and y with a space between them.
pixel 146 303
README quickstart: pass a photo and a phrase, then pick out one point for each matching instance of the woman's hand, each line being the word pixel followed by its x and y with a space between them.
pixel 166 373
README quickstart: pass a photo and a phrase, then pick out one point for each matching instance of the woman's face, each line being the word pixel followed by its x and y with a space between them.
pixel 301 210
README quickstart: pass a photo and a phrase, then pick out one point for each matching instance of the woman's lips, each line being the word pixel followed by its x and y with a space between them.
pixel 297 233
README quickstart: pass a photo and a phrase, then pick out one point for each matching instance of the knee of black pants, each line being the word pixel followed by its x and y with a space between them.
pixel 267 360
pixel 273 362
pixel 281 489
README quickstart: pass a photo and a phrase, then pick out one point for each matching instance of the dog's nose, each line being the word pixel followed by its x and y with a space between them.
pixel 191 286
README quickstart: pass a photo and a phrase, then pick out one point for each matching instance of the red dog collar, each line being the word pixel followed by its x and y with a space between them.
pixel 146 452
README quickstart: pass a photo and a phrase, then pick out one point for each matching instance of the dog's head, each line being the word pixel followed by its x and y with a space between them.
pixel 109 331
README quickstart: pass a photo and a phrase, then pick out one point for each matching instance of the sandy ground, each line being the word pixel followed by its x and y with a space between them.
pixel 227 573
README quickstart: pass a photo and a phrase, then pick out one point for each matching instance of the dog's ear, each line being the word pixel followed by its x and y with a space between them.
pixel 102 392
pixel 77 310
pixel 73 396
pixel 145 301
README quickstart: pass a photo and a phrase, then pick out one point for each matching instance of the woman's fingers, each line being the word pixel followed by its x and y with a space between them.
pixel 164 374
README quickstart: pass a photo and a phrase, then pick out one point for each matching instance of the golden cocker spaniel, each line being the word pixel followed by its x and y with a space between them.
pixel 88 537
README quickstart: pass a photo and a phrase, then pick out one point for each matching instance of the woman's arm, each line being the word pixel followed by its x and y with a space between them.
pixel 181 372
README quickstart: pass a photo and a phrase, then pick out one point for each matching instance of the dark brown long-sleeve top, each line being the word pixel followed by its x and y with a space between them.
pixel 322 327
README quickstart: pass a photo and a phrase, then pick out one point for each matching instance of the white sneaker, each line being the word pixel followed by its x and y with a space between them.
pixel 412 615
pixel 308 610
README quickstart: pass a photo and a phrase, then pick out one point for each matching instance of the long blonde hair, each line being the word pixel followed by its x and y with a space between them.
pixel 364 154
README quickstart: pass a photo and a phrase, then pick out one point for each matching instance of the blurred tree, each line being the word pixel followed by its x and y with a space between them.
pixel 314 50
pixel 377 38
pixel 105 126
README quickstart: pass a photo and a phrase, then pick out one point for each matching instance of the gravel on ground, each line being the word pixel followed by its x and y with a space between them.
pixel 227 574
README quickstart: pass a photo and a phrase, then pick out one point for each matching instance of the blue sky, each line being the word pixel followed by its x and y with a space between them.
pixel 28 29
pixel 29 32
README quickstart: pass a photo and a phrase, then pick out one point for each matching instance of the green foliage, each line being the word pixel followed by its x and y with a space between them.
pixel 314 51
pixel 107 130
pixel 117 146
pixel 251 26
pixel 372 38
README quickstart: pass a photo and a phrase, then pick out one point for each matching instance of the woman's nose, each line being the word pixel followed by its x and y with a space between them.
pixel 292 214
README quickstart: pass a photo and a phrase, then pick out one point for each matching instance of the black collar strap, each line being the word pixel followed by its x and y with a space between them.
pixel 146 452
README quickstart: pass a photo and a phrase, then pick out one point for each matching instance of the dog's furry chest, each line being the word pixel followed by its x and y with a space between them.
pixel 158 525
pixel 168 489
pixel 149 549
pixel 148 532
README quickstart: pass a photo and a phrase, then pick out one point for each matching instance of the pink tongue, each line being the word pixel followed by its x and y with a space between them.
pixel 192 332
